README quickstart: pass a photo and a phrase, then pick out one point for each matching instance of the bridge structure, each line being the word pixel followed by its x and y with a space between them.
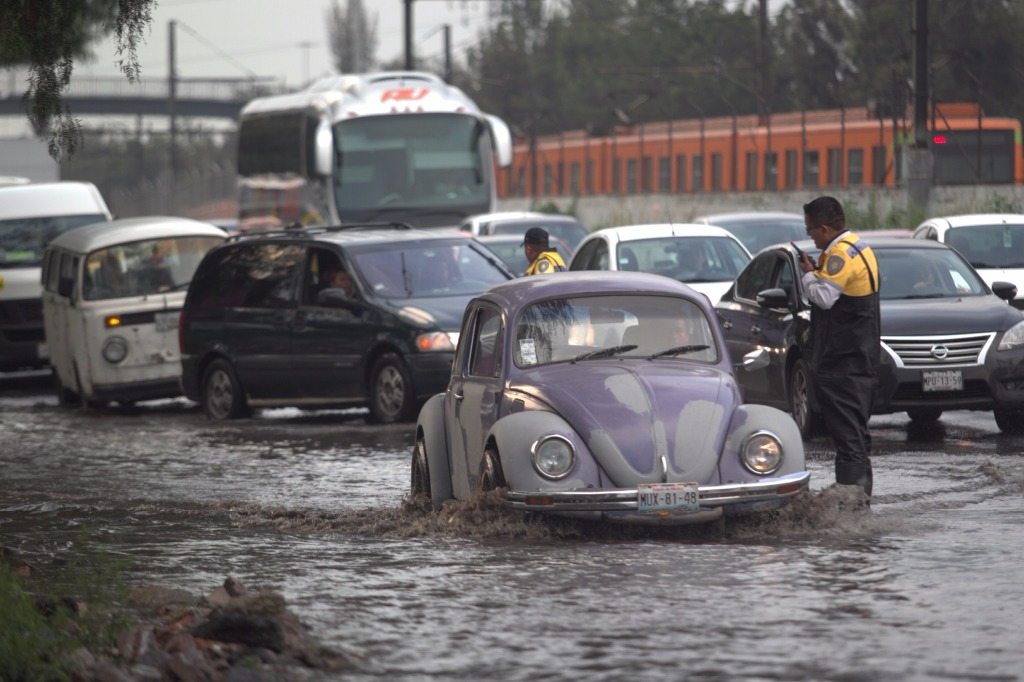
pixel 185 97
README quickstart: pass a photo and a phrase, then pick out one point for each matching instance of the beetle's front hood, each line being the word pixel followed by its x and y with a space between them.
pixel 644 421
pixel 963 315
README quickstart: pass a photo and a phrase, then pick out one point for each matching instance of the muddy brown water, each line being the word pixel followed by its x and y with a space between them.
pixel 929 585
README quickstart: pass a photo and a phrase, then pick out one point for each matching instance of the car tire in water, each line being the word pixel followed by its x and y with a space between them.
pixel 420 478
pixel 491 475
pixel 1009 421
pixel 392 396
pixel 66 397
pixel 800 400
pixel 924 415
pixel 223 397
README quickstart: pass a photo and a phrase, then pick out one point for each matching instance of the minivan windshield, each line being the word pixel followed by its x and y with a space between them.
pixel 144 267
pixel 418 269
pixel 22 240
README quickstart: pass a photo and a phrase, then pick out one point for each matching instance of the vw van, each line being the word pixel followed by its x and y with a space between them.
pixel 112 294
pixel 30 216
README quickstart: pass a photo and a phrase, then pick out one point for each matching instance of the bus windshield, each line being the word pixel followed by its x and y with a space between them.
pixel 389 167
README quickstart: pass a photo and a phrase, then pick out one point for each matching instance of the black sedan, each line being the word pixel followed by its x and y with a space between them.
pixel 949 341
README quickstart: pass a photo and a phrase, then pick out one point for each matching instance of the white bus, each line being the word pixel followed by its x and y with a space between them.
pixel 389 146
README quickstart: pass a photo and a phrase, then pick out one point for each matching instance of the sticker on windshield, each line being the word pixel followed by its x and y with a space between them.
pixel 527 351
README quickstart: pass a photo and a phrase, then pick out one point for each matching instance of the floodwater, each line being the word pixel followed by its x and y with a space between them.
pixel 927 586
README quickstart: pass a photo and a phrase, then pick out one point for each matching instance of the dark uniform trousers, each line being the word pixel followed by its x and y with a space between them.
pixel 845 361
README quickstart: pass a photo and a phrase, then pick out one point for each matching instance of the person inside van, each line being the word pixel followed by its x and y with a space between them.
pixel 106 280
pixel 338 278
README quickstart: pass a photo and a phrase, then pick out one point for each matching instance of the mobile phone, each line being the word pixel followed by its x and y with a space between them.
pixel 800 254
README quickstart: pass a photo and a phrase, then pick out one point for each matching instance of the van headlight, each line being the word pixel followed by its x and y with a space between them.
pixel 115 349
pixel 437 341
pixel 762 452
pixel 553 456
pixel 1013 338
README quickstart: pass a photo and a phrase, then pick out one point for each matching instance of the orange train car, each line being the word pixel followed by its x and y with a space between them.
pixel 804 150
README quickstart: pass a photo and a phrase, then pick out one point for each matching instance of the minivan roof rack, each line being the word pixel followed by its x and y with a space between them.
pixel 309 231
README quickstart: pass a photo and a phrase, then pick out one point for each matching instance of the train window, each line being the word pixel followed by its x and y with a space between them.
pixel 681 173
pixel 878 164
pixel 771 170
pixel 548 180
pixel 590 177
pixel 716 171
pixel 835 167
pixel 561 177
pixel 791 168
pixel 972 156
pixel 698 173
pixel 811 168
pixel 521 181
pixel 752 171
pixel 631 176
pixel 664 174
pixel 855 166
pixel 574 178
pixel 616 172
pixel 647 178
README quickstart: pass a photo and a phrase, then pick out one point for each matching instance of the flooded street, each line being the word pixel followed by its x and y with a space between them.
pixel 927 586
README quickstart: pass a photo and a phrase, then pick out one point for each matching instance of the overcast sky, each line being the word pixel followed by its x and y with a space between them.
pixel 287 39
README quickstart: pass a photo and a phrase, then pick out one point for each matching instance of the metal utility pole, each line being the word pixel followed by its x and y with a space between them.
pixel 919 161
pixel 172 96
pixel 762 97
pixel 408 35
pixel 448 53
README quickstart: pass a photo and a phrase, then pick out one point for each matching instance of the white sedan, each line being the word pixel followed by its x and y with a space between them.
pixel 706 257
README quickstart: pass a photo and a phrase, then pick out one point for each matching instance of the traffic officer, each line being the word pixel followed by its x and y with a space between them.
pixel 845 327
pixel 542 258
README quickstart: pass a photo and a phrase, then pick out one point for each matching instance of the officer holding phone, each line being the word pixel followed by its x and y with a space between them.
pixel 845 328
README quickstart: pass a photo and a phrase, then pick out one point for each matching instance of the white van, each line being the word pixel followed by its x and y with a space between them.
pixel 112 295
pixel 992 242
pixel 30 216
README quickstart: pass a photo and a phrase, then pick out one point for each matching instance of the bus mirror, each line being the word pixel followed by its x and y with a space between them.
pixel 501 136
pixel 324 148
pixel 65 285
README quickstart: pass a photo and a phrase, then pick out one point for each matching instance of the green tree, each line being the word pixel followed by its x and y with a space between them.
pixel 352 37
pixel 48 35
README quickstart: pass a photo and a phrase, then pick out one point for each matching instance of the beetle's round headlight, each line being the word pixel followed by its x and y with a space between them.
pixel 762 452
pixel 115 349
pixel 553 456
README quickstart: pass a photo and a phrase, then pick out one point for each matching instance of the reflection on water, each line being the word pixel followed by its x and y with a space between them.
pixel 314 505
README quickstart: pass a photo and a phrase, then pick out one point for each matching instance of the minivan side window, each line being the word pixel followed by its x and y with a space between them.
pixel 254 275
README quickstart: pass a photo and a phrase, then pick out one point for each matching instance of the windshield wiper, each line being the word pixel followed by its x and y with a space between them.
pixel 679 350
pixel 605 352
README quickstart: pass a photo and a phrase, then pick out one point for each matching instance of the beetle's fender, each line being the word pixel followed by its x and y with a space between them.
pixel 431 425
pixel 515 434
pixel 748 419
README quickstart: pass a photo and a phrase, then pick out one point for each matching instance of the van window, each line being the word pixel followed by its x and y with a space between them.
pixel 144 267
pixel 254 275
pixel 23 240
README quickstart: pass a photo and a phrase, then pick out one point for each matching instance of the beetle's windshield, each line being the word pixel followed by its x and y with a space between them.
pixel 622 326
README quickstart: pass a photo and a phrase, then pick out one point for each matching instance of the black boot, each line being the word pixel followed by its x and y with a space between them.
pixel 855 473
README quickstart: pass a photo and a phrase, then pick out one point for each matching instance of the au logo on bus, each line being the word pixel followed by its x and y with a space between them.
pixel 401 94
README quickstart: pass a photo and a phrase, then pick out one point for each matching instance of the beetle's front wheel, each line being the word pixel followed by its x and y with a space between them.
pixel 492 476
pixel 420 477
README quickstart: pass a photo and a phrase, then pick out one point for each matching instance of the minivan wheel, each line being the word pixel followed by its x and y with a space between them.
pixel 924 414
pixel 800 400
pixel 392 396
pixel 222 396
pixel 1009 421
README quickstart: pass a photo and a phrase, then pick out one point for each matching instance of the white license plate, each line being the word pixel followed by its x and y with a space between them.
pixel 945 380
pixel 668 497
pixel 43 351
pixel 166 321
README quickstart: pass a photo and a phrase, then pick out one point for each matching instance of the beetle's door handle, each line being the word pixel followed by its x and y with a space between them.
pixel 726 324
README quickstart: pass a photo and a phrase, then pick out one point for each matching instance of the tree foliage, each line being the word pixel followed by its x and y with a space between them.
pixel 48 35
pixel 352 36
pixel 571 64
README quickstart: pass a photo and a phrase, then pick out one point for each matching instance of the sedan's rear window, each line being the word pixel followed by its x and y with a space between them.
pixel 620 325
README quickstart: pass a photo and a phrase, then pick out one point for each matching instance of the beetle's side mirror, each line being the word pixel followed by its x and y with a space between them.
pixel 774 298
pixel 1004 290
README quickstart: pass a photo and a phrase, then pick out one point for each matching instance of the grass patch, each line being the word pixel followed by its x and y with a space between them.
pixel 46 617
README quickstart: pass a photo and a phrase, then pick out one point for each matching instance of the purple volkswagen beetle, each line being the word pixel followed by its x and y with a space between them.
pixel 602 395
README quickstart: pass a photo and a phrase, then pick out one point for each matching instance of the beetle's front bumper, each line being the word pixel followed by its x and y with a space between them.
pixel 728 498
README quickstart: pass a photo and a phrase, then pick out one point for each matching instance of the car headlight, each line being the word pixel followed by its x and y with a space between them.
pixel 1013 338
pixel 437 341
pixel 553 456
pixel 115 349
pixel 762 452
